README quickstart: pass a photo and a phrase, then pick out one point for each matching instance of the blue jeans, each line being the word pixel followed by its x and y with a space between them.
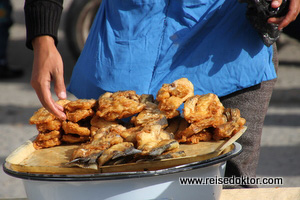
pixel 5 23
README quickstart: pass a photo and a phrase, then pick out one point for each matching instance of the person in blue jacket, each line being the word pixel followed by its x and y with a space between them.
pixel 141 44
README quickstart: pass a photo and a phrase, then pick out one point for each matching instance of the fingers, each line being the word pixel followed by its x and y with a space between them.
pixel 60 90
pixel 274 20
pixel 59 83
pixel 44 94
pixel 282 22
pixel 276 3
pixel 291 15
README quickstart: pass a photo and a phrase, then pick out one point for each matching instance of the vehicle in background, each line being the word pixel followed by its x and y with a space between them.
pixel 79 20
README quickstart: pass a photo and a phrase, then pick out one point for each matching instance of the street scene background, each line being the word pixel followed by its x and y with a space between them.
pixel 280 145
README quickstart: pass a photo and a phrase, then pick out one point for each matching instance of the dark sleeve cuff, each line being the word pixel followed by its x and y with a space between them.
pixel 42 17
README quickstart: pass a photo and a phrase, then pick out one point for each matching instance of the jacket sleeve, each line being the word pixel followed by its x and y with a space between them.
pixel 42 17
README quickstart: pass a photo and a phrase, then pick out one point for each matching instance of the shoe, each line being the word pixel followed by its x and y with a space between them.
pixel 7 73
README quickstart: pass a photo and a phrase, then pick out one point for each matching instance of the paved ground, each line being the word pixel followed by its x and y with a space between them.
pixel 281 137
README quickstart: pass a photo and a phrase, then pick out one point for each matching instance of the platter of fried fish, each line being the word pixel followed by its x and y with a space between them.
pixel 127 128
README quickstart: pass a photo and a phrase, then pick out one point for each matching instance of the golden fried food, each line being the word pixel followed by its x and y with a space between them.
pixel 80 104
pixel 175 153
pixel 233 125
pixel 99 122
pixel 111 134
pixel 116 151
pixel 173 124
pixel 202 112
pixel 93 130
pixel 203 136
pixel 45 140
pixel 153 133
pixel 78 115
pixel 163 146
pixel 103 139
pixel 46 143
pixel 63 102
pixel 119 105
pixel 171 96
pixel 201 107
pixel 151 115
pixel 129 134
pixel 53 125
pixel 72 138
pixel 149 137
pixel 47 136
pixel 197 127
pixel 41 116
pixel 74 128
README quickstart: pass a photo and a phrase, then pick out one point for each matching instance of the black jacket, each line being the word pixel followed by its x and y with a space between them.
pixel 42 17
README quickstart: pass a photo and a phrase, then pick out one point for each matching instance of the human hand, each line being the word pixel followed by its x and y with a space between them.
pixel 294 9
pixel 47 67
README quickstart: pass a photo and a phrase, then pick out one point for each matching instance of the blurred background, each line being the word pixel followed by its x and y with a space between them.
pixel 18 101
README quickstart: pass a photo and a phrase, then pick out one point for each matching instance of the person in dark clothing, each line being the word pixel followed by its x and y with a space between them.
pixel 5 23
pixel 253 100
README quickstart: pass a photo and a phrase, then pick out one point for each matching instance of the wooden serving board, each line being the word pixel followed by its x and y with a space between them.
pixel 53 160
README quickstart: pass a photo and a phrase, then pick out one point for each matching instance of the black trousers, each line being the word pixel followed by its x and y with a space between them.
pixel 253 103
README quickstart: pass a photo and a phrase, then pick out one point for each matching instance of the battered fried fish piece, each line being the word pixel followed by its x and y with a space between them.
pixel 98 123
pixel 74 128
pixel 116 151
pixel 42 115
pixel 202 112
pixel 129 134
pixel 233 125
pixel 110 134
pixel 197 127
pixel 119 105
pixel 171 96
pixel 78 115
pixel 103 139
pixel 175 153
pixel 53 125
pixel 176 125
pixel 63 102
pixel 164 145
pixel 151 115
pixel 201 107
pixel 47 143
pixel 80 104
pixel 202 136
pixel 45 140
pixel 48 135
pixel 149 137
pixel 73 138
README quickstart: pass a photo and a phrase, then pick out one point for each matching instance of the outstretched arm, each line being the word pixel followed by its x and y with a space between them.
pixel 48 67
pixel 42 20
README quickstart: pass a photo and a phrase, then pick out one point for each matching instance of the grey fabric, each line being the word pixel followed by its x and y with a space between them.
pixel 253 103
